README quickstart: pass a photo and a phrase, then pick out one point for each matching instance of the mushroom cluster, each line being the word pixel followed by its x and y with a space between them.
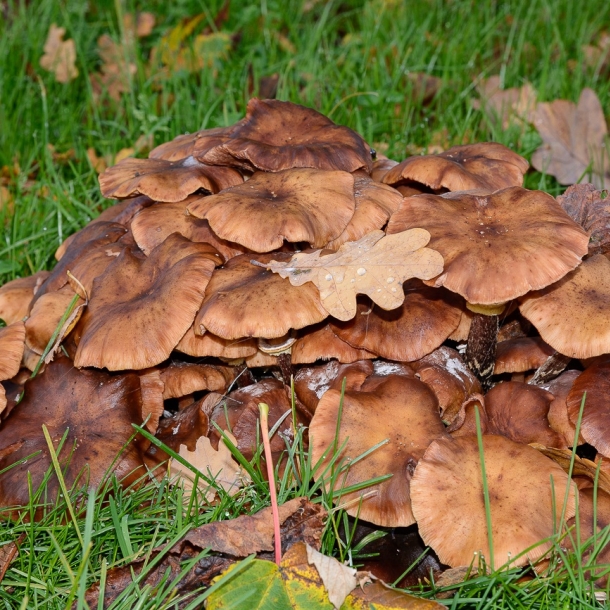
pixel 163 312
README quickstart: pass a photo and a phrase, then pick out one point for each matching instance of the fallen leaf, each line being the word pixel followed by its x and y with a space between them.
pixel 378 596
pixel 375 265
pixel 590 208
pixel 59 55
pixel 123 154
pixel 217 466
pixel 63 157
pixel 574 140
pixel 597 56
pixel 424 86
pixel 117 68
pixel 97 163
pixel 7 202
pixel 338 579
pixel 506 107
pixel 143 26
pixel 8 552
pixel 300 520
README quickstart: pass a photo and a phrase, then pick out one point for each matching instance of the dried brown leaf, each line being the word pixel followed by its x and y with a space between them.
pixel 8 552
pixel 338 579
pixel 375 265
pixel 218 466
pixel 590 208
pixel 59 55
pixel 117 67
pixel 145 22
pixel 575 139
pixel 506 107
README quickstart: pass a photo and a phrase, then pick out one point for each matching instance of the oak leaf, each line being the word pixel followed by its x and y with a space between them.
pixel 375 265
pixel 575 138
pixel 217 466
pixel 59 55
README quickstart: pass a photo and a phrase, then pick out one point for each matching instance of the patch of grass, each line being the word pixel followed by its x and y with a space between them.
pixel 347 58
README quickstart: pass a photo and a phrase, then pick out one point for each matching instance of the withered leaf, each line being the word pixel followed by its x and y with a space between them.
pixel 301 521
pixel 574 140
pixel 375 265
pixel 217 466
pixel 590 208
pixel 59 55
pixel 506 107
pixel 117 67
pixel 8 552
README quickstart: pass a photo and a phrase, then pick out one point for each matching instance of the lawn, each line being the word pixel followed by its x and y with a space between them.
pixel 407 75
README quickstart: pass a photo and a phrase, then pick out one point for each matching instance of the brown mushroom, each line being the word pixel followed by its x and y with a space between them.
pixel 96 408
pixel 191 144
pixel 244 300
pixel 526 508
pixel 208 344
pixel 276 135
pixel 487 165
pixel 12 344
pixel 140 309
pixel 558 411
pixel 183 378
pixel 573 315
pixel 16 296
pixel 420 325
pixel 394 399
pixel 521 354
pixel 296 205
pixel 165 180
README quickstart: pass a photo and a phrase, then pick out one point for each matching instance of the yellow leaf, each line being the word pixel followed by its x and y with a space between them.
pixel 97 163
pixel 59 55
pixel 375 265
pixel 123 154
pixel 218 466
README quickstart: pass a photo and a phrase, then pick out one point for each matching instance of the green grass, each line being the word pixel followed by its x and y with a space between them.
pixel 349 59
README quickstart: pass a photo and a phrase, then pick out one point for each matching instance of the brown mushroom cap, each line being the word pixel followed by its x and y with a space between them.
pixel 243 300
pixel 97 409
pixel 321 343
pixel 394 399
pixel 595 381
pixel 486 165
pixel 296 205
pixel 451 380
pixel 140 309
pixel 276 135
pixel 375 203
pixel 416 328
pixel 558 411
pixel 448 502
pixel 520 412
pixel 381 166
pixel 12 344
pixel 154 224
pixel 208 344
pixel 497 247
pixel 191 144
pixel 184 378
pixel 165 180
pixel 521 354
pixel 311 382
pixel 573 316
pixel 16 296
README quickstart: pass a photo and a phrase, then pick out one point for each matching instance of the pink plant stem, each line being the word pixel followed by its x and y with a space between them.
pixel 264 411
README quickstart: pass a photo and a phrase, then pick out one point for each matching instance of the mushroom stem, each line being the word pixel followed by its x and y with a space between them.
pixel 284 361
pixel 555 364
pixel 481 349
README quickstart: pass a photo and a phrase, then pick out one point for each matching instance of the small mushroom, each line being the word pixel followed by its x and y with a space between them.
pixel 16 296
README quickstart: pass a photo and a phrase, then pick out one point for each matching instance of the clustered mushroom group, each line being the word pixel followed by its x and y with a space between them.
pixel 161 312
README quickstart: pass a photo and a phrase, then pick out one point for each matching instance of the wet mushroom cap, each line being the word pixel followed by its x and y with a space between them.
pixel 190 144
pixel 416 328
pixel 520 412
pixel 209 344
pixel 495 247
pixel 573 316
pixel 152 225
pixel 521 354
pixel 595 381
pixel 393 399
pixel 98 409
pixel 184 378
pixel 296 205
pixel 140 309
pixel 16 296
pixel 244 300
pixel 485 165
pixel 558 416
pixel 164 180
pixel 12 344
pixel 278 135
pixel 448 502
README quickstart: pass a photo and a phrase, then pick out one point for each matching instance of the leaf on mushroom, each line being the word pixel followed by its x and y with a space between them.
pixel 574 138
pixel 375 265
pixel 59 55
pixel 217 466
